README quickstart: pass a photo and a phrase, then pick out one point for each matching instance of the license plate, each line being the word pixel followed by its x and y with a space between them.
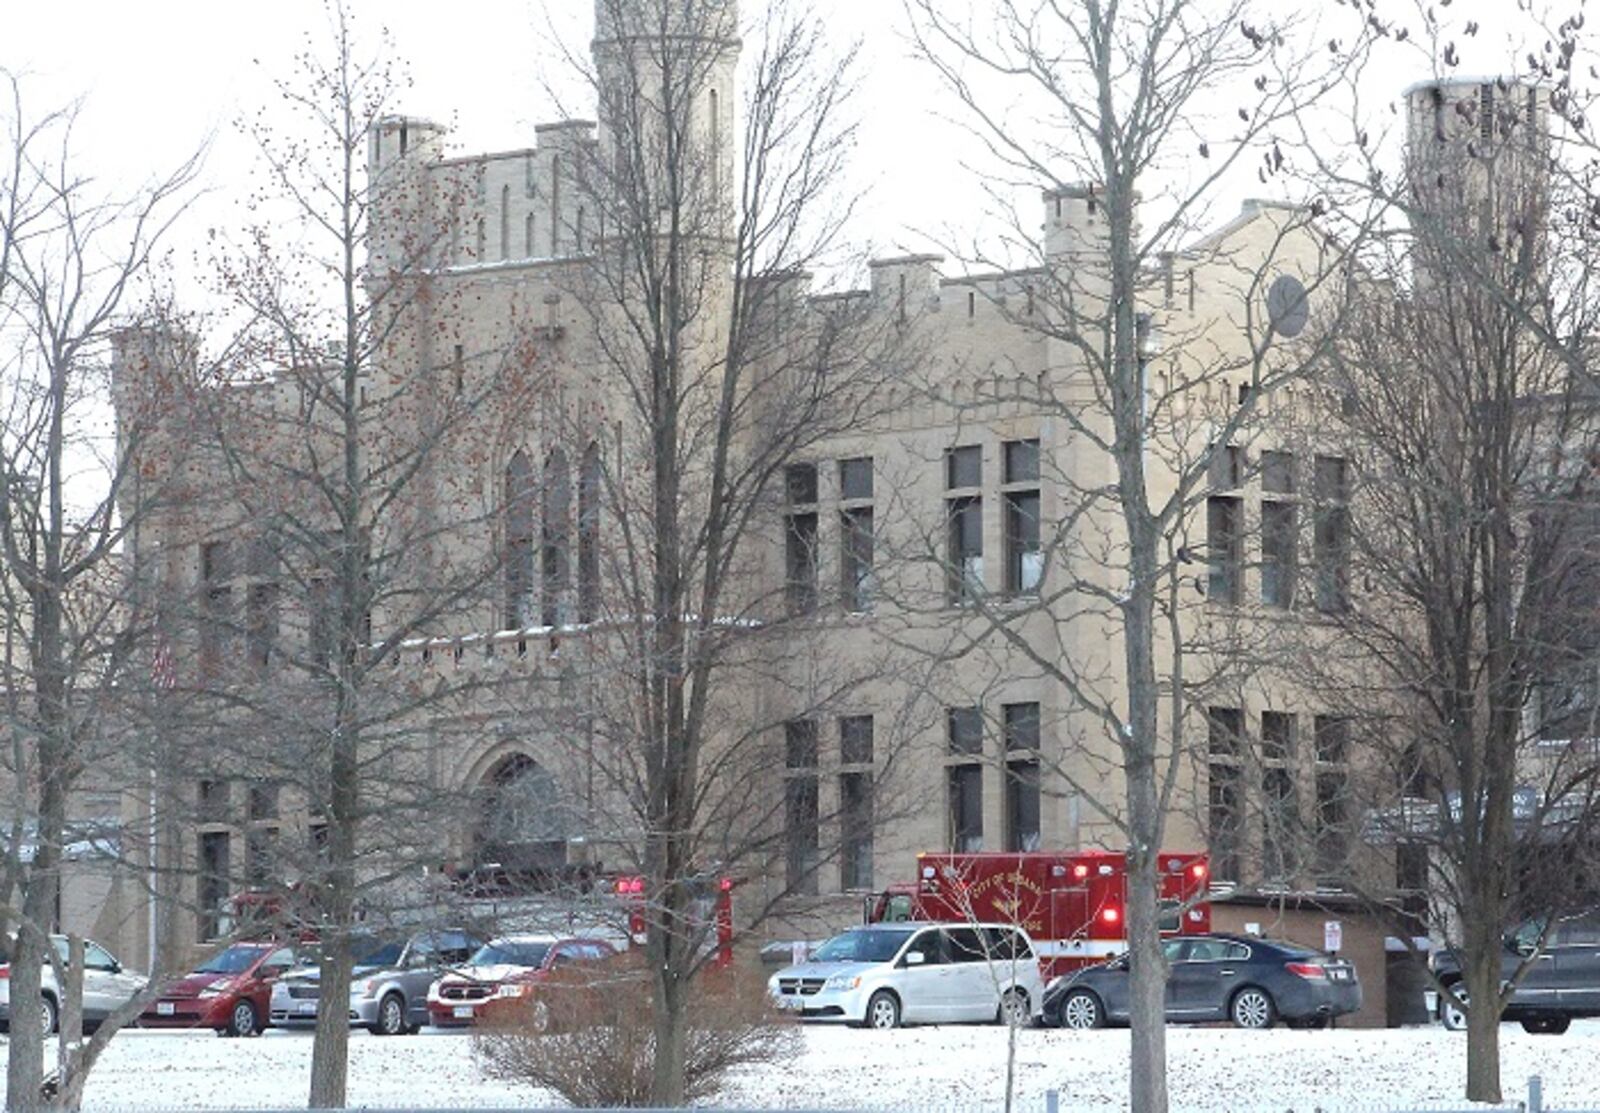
pixel 463 1012
pixel 308 1008
pixel 1340 975
pixel 789 1002
pixel 165 1008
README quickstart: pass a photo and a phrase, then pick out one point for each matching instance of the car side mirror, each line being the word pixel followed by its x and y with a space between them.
pixel 915 958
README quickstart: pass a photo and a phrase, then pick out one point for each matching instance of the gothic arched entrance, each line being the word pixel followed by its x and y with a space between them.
pixel 521 834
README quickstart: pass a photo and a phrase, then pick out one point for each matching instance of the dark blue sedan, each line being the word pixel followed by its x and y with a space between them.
pixel 1252 982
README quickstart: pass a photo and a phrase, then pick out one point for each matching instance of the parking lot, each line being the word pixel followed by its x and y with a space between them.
pixel 955 1067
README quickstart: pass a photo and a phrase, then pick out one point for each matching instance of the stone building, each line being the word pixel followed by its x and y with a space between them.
pixel 972 488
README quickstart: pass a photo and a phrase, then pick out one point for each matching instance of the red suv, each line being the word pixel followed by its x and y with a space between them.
pixel 505 970
pixel 230 994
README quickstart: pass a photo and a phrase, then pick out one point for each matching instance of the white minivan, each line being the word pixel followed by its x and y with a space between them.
pixel 885 975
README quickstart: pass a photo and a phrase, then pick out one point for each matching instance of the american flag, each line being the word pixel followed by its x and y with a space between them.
pixel 164 667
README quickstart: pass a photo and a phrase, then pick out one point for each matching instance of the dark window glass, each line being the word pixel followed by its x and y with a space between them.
pixel 261 623
pixel 801 559
pixel 1332 480
pixel 1022 461
pixel 800 825
pixel 966 945
pixel 1277 473
pixel 855 740
pixel 964 467
pixel 214 802
pixel 214 884
pixel 966 808
pixel 1332 739
pixel 855 559
pixel 1021 726
pixel 800 744
pixel 1332 537
pixel 518 525
pixel 1279 553
pixel 1281 824
pixel 1022 805
pixel 855 478
pixel 965 730
pixel 800 484
pixel 966 549
pixel 1277 735
pixel 589 479
pixel 1332 791
pixel 1224 730
pixel 1024 560
pixel 1224 817
pixel 263 801
pixel 261 855
pixel 855 828
pixel 1224 548
pixel 555 527
pixel 1227 468
pixel 216 561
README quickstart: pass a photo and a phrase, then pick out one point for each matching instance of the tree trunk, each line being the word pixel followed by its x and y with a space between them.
pixel 667 1076
pixel 67 1051
pixel 1483 1019
pixel 25 1064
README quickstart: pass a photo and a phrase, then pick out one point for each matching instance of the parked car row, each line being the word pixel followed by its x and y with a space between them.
pixel 883 975
pixel 1561 982
pixel 449 978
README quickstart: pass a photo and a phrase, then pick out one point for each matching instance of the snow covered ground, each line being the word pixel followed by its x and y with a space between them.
pixel 1214 1070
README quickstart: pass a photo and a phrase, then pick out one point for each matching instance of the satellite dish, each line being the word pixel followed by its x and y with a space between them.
pixel 1287 308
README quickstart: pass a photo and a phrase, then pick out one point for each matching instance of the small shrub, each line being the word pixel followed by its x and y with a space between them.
pixel 588 1033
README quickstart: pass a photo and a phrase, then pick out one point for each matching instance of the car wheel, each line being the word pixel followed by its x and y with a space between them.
pixel 391 1017
pixel 1014 1011
pixel 242 1020
pixel 1547 1025
pixel 48 1016
pixel 883 1010
pixel 1451 1015
pixel 1252 1008
pixel 1081 1011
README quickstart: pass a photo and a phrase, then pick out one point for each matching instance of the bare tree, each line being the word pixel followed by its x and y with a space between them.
pixel 72 260
pixel 1460 390
pixel 707 211
pixel 327 537
pixel 1134 117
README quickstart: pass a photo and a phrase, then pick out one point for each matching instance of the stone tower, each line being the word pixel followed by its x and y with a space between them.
pixel 651 58
pixel 1477 155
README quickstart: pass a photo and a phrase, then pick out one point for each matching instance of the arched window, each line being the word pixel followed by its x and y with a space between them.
pixel 589 535
pixel 556 522
pixel 518 515
pixel 555 204
pixel 505 222
pixel 522 826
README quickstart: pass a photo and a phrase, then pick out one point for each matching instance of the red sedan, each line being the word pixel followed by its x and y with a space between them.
pixel 230 994
pixel 505 970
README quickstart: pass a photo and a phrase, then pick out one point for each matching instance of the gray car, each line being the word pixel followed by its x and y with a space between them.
pixel 388 988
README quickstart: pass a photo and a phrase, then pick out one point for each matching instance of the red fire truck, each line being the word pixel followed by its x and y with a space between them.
pixel 710 904
pixel 1072 903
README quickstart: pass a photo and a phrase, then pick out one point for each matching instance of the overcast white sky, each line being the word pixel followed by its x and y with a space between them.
pixel 161 76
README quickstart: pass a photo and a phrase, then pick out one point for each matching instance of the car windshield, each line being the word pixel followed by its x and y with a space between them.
pixel 380 954
pixel 862 945
pixel 234 960
pixel 508 952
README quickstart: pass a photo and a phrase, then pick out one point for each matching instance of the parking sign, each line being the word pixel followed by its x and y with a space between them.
pixel 1332 935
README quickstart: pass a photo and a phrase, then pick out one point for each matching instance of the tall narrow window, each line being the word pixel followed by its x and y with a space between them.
pixel 589 535
pixel 855 802
pixel 583 217
pixel 1332 534
pixel 527 237
pixel 1333 788
pixel 1022 805
pixel 556 533
pixel 1020 727
pixel 555 204
pixel 1225 526
pixel 963 482
pixel 518 515
pixel 1225 727
pixel 965 790
pixel 964 778
pixel 1281 813
pixel 482 250
pixel 801 813
pixel 216 607
pixel 1024 560
pixel 261 623
pixel 716 147
pixel 213 885
pixel 505 222
pixel 800 537
pixel 856 534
